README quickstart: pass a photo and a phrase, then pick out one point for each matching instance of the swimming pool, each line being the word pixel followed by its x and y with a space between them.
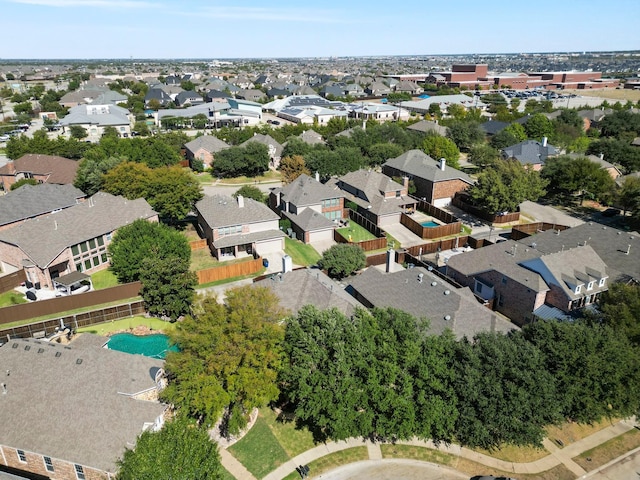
pixel 430 224
pixel 155 346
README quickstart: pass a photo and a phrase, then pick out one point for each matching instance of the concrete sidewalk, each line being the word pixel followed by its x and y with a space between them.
pixel 556 457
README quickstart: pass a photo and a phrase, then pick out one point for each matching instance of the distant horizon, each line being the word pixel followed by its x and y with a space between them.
pixel 400 55
pixel 273 29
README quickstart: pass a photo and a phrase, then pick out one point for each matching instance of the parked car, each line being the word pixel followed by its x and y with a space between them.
pixel 611 212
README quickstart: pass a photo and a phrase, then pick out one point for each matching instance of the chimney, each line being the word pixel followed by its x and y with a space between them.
pixel 442 164
pixel 287 264
pixel 240 201
pixel 602 156
pixel 317 177
pixel 390 259
pixel 4 388
pixel 405 183
pixel 544 141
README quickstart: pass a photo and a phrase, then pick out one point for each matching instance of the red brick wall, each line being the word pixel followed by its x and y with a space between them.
pixel 448 189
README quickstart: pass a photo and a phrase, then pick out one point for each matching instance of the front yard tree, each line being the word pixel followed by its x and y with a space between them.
pixel 539 126
pixel 140 240
pixel 292 167
pixel 91 170
pixel 342 260
pixel 179 450
pixel 438 147
pixel 78 132
pixel 249 191
pixel 505 185
pixel 167 286
pixel 229 359
pixel 580 176
pixel 465 134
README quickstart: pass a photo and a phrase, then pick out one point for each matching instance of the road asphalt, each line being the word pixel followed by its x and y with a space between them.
pixel 622 468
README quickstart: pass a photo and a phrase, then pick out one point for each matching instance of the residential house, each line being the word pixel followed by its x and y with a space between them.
pixel 95 118
pixel 252 95
pixel 420 293
pixel 31 201
pixel 313 208
pixel 551 274
pixel 73 239
pixel 378 89
pixel 159 95
pixel 599 159
pixel 204 149
pixel 407 86
pixel 275 148
pixel 311 137
pixel 443 101
pixel 71 411
pixel 217 96
pixel 377 111
pixel 188 98
pixel 427 126
pixel 530 153
pixel 436 183
pixel 42 168
pixel 307 286
pixel 492 127
pixel 377 196
pixel 238 226
pixel 110 97
pixel 82 96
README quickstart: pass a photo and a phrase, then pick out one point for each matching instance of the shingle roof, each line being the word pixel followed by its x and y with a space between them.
pixel 425 126
pixel 372 185
pixel 403 290
pixel 311 137
pixel 244 238
pixel 267 140
pixel 305 191
pixel 42 239
pixel 32 200
pixel 210 143
pixel 310 220
pixel 103 115
pixel 75 406
pixel 309 287
pixel 58 170
pixel 223 211
pixel 416 163
pixel 492 127
pixel 529 152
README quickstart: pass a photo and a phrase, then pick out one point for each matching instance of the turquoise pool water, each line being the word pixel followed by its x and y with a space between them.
pixel 155 346
pixel 430 224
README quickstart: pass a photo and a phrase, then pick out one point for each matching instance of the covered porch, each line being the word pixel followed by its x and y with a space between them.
pixel 72 283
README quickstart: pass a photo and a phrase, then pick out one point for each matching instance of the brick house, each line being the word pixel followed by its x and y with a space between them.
pixel 72 240
pixel 42 168
pixel 313 208
pixel 238 226
pixel 435 182
pixel 68 412
pixel 550 274
pixel 377 197
pixel 204 149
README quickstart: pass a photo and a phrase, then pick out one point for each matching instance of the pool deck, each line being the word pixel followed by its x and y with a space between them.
pixel 423 218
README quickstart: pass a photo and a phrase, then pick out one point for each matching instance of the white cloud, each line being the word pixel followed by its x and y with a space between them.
pixel 114 4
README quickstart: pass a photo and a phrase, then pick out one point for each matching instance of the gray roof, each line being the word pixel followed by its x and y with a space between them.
pixel 529 152
pixel 81 412
pixel 404 291
pixel 416 163
pixel 610 244
pixel 309 287
pixel 43 238
pixel 33 200
pixel 267 140
pixel 224 211
pixel 305 191
pixel 102 115
pixel 492 127
pixel 309 220
pixel 371 186
pixel 312 137
pixel 244 238
pixel 210 143
pixel 425 126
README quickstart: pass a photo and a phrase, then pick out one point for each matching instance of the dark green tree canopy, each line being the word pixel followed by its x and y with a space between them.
pixel 140 240
pixel 251 161
pixel 465 134
pixel 249 191
pixel 577 176
pixel 167 286
pixel 342 260
pixel 180 450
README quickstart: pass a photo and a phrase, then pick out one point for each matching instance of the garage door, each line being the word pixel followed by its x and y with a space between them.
pixel 270 246
pixel 388 220
pixel 442 202
pixel 321 236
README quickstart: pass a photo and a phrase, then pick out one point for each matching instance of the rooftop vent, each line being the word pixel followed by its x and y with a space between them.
pixel 447 317
pixel 78 361
pixel 58 354
pixel 433 284
pixel 447 292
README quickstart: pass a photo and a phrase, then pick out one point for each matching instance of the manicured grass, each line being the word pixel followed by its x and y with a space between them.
pixel 333 460
pixel 511 453
pixel 604 453
pixel 104 279
pixel 126 324
pixel 294 441
pixel 268 177
pixel 301 253
pixel 201 259
pixel 417 453
pixel 11 298
pixel 233 279
pixel 226 475
pixel 572 432
pixel 356 233
pixel 259 450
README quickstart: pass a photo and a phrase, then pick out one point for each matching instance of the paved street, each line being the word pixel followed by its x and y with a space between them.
pixel 392 470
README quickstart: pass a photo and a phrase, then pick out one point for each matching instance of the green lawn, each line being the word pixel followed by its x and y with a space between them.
pixel 301 253
pixel 333 460
pixel 259 450
pixel 11 298
pixel 356 233
pixel 104 279
pixel 126 324
pixel 201 259
pixel 294 441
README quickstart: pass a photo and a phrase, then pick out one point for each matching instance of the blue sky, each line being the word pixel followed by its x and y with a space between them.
pixel 299 28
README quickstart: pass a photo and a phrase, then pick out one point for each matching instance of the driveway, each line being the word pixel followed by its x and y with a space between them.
pixel 392 470
pixel 405 236
pixel 322 245
pixel 544 213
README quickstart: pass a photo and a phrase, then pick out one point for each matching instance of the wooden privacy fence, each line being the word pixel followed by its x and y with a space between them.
pixel 366 224
pixel 12 280
pixel 458 201
pixel 430 232
pixel 229 271
pixel 434 247
pixel 366 245
pixel 198 244
pixel 42 308
pixel 46 328
pixel 435 212
pixel 523 231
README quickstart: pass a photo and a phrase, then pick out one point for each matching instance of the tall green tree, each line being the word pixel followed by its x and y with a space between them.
pixel 620 309
pixel 292 167
pixel 167 286
pixel 342 260
pixel 179 450
pixel 140 240
pixel 577 176
pixel 249 191
pixel 91 170
pixel 465 134
pixel 229 359
pixel 78 132
pixel 539 126
pixel 438 147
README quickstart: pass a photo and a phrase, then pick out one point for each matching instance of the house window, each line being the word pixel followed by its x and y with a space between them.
pixel 601 282
pixel 504 280
pixel 21 456
pixel 79 472
pixel 75 250
pixel 578 288
pixel 590 286
pixel 500 300
pixel 87 264
pixel 48 464
pixel 398 193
